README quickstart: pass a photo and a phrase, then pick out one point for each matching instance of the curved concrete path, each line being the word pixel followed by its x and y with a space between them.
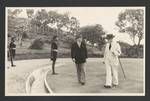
pixel 16 77
pixel 36 84
pixel 28 77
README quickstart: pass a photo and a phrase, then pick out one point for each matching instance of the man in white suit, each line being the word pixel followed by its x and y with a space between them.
pixel 112 51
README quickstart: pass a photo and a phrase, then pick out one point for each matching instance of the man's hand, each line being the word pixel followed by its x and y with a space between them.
pixel 103 62
pixel 73 59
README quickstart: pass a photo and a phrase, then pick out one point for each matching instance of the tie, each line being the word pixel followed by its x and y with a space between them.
pixel 109 46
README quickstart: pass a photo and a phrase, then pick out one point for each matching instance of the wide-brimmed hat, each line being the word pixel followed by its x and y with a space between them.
pixel 110 36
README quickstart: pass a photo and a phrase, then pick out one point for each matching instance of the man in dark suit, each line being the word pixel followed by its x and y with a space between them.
pixel 12 51
pixel 54 51
pixel 79 55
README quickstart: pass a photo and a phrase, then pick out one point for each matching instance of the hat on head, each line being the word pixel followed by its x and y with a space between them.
pixel 110 36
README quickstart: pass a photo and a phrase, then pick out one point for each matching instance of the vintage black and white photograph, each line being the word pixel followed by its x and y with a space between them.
pixel 77 51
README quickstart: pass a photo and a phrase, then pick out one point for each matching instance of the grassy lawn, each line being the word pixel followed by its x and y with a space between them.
pixel 66 81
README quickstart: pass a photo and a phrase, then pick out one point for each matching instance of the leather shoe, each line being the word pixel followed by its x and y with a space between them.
pixel 114 85
pixel 106 86
pixel 82 83
pixel 54 73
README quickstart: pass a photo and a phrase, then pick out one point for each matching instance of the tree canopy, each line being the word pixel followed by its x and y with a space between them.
pixel 93 34
pixel 131 21
pixel 53 19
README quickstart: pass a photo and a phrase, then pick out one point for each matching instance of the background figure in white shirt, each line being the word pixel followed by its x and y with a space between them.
pixel 112 51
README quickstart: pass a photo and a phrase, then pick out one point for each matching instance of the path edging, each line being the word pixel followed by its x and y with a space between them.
pixel 46 84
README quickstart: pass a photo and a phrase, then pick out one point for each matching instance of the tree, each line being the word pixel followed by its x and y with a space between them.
pixel 53 19
pixel 61 21
pixel 93 34
pixel 17 26
pixel 30 13
pixel 12 22
pixel 14 13
pixel 131 21
pixel 20 33
pixel 42 20
pixel 74 26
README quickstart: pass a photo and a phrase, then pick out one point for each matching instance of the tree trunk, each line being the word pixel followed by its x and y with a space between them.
pixel 138 47
pixel 20 40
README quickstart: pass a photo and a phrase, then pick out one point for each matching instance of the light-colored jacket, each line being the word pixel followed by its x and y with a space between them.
pixel 111 56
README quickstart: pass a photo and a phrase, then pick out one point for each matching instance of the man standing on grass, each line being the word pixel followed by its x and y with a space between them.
pixel 54 51
pixel 112 51
pixel 12 51
pixel 79 55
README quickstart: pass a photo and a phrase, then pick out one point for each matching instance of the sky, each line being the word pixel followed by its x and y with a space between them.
pixel 106 16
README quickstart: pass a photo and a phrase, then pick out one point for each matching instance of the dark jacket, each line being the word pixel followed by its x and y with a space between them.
pixel 12 49
pixel 79 53
pixel 53 53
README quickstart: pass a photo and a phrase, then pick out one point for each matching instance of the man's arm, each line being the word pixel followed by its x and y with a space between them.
pixel 116 49
pixel 86 52
pixel 73 52
pixel 104 56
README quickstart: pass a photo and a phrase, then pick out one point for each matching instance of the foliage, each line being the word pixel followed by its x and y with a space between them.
pixel 30 12
pixel 131 21
pixel 41 22
pixel 93 34
pixel 14 13
pixel 135 49
pixel 37 44
pixel 44 21
pixel 25 35
pixel 17 27
pixel 130 51
pixel 13 21
pixel 74 26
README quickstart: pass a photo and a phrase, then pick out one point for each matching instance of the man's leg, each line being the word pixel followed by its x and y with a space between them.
pixel 78 72
pixel 108 75
pixel 115 75
pixel 82 73
pixel 11 59
pixel 53 66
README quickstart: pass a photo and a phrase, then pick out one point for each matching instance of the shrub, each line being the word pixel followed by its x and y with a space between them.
pixel 37 44
pixel 25 35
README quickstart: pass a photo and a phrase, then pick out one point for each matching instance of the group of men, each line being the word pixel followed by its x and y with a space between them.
pixel 79 56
